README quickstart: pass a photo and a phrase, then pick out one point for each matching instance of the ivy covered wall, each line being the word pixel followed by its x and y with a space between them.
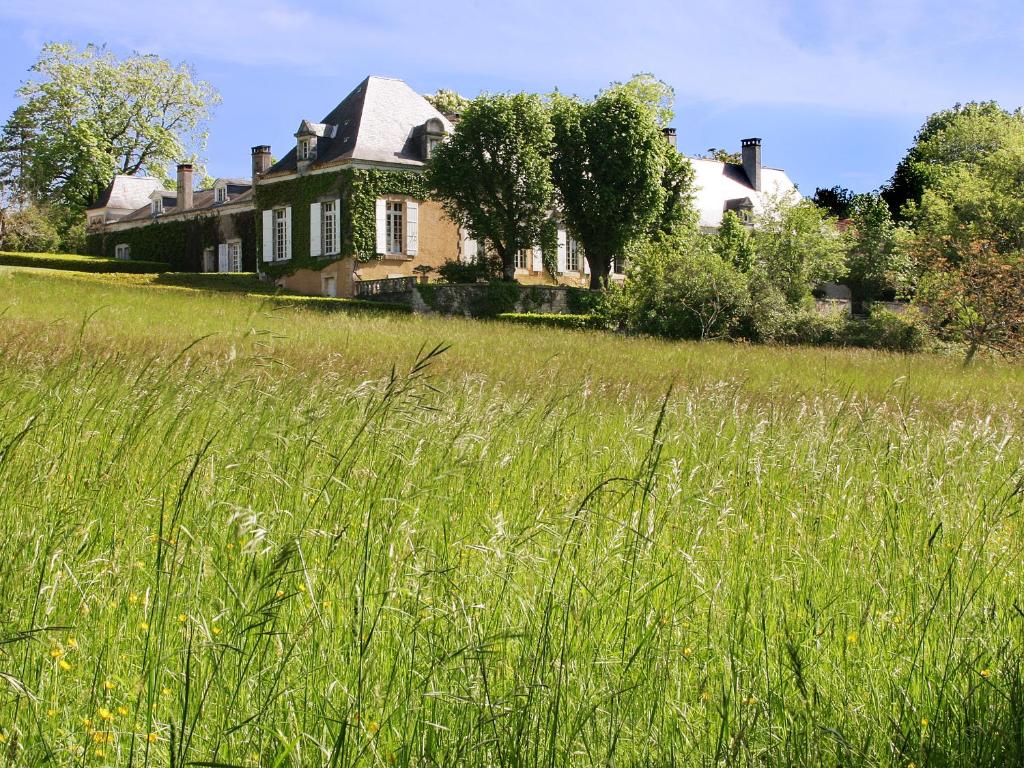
pixel 181 242
pixel 358 191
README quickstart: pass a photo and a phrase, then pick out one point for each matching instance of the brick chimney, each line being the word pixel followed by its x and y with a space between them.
pixel 752 161
pixel 670 135
pixel 260 160
pixel 184 186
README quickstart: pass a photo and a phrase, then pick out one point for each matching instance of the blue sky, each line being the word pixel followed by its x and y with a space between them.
pixel 836 89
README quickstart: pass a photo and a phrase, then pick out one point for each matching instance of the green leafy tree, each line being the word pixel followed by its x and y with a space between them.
pixel 723 156
pixel 493 176
pixel 962 134
pixel 86 115
pixel 733 242
pixel 28 228
pixel 448 102
pixel 649 90
pixel 969 243
pixel 608 166
pixel 837 201
pixel 879 266
pixel 798 247
pixel 678 214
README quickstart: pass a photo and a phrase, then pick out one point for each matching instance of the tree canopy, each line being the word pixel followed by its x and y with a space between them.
pixel 649 90
pixel 493 175
pixel 608 165
pixel 86 115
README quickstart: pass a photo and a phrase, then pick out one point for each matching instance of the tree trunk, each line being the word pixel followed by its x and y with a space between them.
pixel 972 350
pixel 508 267
pixel 599 269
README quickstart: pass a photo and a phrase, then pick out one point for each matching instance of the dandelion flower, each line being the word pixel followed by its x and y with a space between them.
pixel 215 629
pixel 87 722
pixel 374 727
pixel 72 643
pixel 143 626
pixel 687 651
pixel 51 712
pixel 852 638
pixel 133 598
pixel 165 691
pixel 64 664
pixel 3 738
pixel 105 714
pixel 56 652
pixel 986 673
pixel 279 593
pixel 109 685
pixel 924 722
pixel 122 711
pixel 151 738
pixel 302 587
pixel 99 752
pixel 182 618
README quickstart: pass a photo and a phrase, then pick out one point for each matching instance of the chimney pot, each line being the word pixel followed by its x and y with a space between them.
pixel 670 135
pixel 260 160
pixel 184 201
pixel 752 161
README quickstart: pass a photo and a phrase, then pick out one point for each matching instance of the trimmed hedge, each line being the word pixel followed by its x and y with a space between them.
pixel 80 263
pixel 327 304
pixel 573 322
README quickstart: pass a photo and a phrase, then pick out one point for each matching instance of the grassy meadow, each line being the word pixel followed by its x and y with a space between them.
pixel 237 533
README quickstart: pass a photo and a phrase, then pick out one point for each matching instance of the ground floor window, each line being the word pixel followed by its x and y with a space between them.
pixel 573 252
pixel 395 227
pixel 329 227
pixel 122 251
pixel 619 265
pixel 521 260
pixel 280 234
pixel 209 260
pixel 330 286
pixel 235 256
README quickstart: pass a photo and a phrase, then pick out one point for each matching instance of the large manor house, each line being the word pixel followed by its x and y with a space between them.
pixel 346 206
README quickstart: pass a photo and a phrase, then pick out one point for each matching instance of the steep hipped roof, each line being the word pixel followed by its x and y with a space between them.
pixel 375 123
pixel 128 192
pixel 716 184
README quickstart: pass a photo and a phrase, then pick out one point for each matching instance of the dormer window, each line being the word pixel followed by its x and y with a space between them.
pixel 304 149
pixel 157 206
pixel 220 195
pixel 432 143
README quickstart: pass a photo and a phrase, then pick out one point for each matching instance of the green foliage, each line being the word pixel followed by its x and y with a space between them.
pixel 448 102
pixel 722 156
pixel 878 263
pixel 358 191
pixel 608 166
pixel 571 322
pixel 733 242
pixel 179 242
pixel 79 263
pixel 549 246
pixel 798 247
pixel 85 115
pixel 493 176
pixel 658 95
pixel 948 138
pixel 835 201
pixel 678 214
pixel 499 297
pixel 905 331
pixel 328 304
pixel 683 292
pixel 480 269
pixel 28 228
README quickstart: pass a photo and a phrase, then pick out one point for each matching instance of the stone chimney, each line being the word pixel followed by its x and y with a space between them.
pixel 752 161
pixel 670 135
pixel 260 160
pixel 184 186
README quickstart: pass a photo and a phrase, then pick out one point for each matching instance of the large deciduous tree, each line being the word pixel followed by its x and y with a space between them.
pixel 879 266
pixel 608 166
pixel 86 115
pixel 493 175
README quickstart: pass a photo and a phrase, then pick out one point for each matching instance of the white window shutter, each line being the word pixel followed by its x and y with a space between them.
pixel 314 229
pixel 538 259
pixel 586 264
pixel 337 227
pixel 469 250
pixel 382 228
pixel 412 228
pixel 222 257
pixel 268 235
pixel 287 233
pixel 563 244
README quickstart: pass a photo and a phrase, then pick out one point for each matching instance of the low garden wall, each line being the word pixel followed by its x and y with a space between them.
pixel 492 299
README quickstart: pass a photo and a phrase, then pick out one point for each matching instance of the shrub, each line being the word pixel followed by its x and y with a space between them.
pixel 482 268
pixel 883 329
pixel 575 322
pixel 79 263
pixel 328 304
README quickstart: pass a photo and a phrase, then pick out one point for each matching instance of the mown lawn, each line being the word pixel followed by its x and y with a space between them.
pixel 236 533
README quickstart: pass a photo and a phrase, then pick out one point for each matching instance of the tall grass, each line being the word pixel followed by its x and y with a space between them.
pixel 233 550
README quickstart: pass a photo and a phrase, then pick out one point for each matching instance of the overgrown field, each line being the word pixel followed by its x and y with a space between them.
pixel 240 534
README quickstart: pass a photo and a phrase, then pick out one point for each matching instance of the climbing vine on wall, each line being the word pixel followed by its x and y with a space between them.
pixel 549 246
pixel 358 191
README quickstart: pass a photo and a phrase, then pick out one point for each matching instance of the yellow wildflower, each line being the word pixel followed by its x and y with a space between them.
pixel 279 593
pixel 215 629
pixel 687 651
pixel 852 638
pixel 122 711
pixel 105 714
pixel 99 752
pixel 374 727
pixel 51 712
pixel 143 626
pixel 109 685
pixel 3 738
pixel 133 598
pixel 64 664
pixel 56 652
pixel 182 618
pixel 302 587
pixel 986 673
pixel 72 643
pixel 151 738
pixel 924 722
pixel 165 691
pixel 87 722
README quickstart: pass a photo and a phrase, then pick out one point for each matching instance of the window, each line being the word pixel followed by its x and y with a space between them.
pixel 304 149
pixel 235 256
pixel 746 216
pixel 432 144
pixel 619 265
pixel 572 255
pixel 158 206
pixel 280 234
pixel 395 227
pixel 520 259
pixel 96 221
pixel 220 195
pixel 330 286
pixel 329 227
pixel 122 251
pixel 209 260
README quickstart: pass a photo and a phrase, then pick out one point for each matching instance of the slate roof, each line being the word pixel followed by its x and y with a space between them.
pixel 718 186
pixel 202 199
pixel 375 123
pixel 128 192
